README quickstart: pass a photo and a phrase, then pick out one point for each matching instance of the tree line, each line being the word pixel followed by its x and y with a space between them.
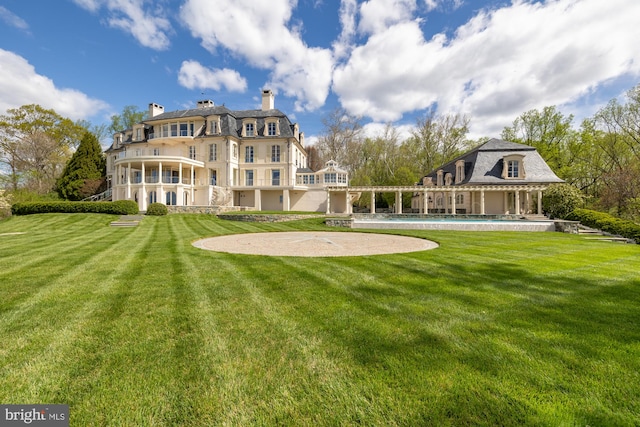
pixel 600 156
pixel 42 152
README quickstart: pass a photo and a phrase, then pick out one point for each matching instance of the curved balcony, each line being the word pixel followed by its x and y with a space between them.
pixel 168 155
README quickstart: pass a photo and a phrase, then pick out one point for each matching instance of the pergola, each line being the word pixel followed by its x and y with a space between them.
pixel 477 195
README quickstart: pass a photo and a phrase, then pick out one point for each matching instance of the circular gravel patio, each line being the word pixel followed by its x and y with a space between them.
pixel 314 244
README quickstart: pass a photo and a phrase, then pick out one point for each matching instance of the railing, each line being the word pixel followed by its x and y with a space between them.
pixel 104 196
pixel 184 153
pixel 170 134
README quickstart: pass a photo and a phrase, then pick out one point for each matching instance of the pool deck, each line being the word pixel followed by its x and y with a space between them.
pixel 461 225
pixel 455 222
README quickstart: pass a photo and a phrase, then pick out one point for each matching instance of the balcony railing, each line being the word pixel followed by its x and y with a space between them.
pixel 171 134
pixel 161 152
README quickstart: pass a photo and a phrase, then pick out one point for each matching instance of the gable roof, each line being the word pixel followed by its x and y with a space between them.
pixel 484 164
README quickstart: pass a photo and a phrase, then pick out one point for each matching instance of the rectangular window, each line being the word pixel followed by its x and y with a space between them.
pixel 213 152
pixel 275 177
pixel 192 152
pixel 275 154
pixel 138 134
pixel 214 127
pixel 165 130
pixel 249 129
pixel 184 129
pixel 248 154
pixel 249 178
pixel 213 176
pixel 513 167
pixel 330 178
pixel 271 129
pixel 174 129
pixel 156 151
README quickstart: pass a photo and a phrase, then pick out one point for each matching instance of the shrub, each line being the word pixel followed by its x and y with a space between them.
pixel 120 207
pixel 157 209
pixel 605 222
pixel 560 200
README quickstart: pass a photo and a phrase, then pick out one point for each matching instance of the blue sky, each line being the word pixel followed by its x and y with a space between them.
pixel 383 60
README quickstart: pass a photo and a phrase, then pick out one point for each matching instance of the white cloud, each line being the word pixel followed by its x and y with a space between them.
pixel 194 75
pixel 12 19
pixel 257 32
pixel 378 15
pixel 21 85
pixel 344 44
pixel 497 66
pixel 149 26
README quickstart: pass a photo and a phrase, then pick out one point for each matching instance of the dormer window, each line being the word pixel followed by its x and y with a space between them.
pixel 513 167
pixel 272 127
pixel 447 179
pixel 214 126
pixel 249 127
pixel 440 176
pixel 459 171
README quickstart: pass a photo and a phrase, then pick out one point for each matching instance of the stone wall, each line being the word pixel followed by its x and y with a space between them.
pixel 339 222
pixel 215 210
pixel 265 217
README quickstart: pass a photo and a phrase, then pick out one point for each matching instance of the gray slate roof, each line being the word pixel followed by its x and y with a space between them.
pixel 230 120
pixel 483 165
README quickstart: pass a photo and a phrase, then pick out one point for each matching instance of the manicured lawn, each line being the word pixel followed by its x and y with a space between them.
pixel 134 326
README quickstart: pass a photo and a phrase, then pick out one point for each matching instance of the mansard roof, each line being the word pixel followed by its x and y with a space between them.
pixel 484 165
pixel 230 120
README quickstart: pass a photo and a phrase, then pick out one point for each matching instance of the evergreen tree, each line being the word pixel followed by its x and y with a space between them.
pixel 84 173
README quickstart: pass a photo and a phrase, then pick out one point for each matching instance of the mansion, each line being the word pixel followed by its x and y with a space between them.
pixel 256 160
pixel 213 156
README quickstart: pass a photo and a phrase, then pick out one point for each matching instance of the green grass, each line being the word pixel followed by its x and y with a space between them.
pixel 134 326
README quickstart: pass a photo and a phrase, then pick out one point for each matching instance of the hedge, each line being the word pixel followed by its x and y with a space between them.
pixel 608 223
pixel 157 209
pixel 120 207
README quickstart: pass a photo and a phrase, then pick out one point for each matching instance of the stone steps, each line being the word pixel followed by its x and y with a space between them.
pixel 127 221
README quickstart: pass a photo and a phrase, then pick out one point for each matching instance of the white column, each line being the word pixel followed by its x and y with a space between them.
pixel 143 193
pixel 445 200
pixel 505 202
pixel 453 202
pixel 539 202
pixel 193 190
pixel 347 204
pixel 517 202
pixel 257 203
pixel 128 181
pixel 328 202
pixel 481 202
pixel 160 196
pixel 373 202
pixel 286 204
pixel 425 201
pixel 398 202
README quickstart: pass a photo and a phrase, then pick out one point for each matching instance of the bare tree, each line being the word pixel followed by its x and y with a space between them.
pixel 436 140
pixel 341 139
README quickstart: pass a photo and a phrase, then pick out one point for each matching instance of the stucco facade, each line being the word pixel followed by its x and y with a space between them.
pixel 211 155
